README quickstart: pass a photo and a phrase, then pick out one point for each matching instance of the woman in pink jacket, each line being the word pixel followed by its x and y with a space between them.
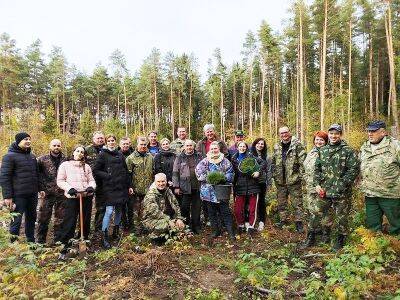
pixel 75 176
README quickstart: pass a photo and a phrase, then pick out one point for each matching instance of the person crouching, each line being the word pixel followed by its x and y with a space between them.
pixel 161 213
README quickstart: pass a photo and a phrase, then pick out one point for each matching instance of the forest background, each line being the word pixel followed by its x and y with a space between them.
pixel 335 61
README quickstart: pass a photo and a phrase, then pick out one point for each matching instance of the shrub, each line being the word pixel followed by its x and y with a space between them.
pixel 216 177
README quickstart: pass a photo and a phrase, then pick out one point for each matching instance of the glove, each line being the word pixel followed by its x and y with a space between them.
pixel 72 192
pixel 322 194
pixel 89 190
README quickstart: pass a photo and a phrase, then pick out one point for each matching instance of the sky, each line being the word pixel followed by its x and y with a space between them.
pixel 89 31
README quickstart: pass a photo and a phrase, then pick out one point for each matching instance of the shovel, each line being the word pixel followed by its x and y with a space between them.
pixel 82 243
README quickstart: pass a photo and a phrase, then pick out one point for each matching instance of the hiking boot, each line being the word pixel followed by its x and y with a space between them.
pixel 115 234
pixel 251 230
pixel 326 236
pixel 339 243
pixel 299 227
pixel 241 229
pixel 106 243
pixel 310 241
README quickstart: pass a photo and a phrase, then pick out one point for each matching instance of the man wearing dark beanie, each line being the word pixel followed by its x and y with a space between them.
pixel 19 182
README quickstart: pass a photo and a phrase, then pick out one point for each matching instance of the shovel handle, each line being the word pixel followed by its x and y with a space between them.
pixel 81 213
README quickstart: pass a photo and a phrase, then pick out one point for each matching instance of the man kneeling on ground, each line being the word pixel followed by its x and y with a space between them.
pixel 161 213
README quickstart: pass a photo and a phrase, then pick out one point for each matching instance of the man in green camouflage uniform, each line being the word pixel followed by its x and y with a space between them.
pixel 161 211
pixel 140 165
pixel 336 168
pixel 51 194
pixel 380 178
pixel 92 152
pixel 288 170
pixel 178 143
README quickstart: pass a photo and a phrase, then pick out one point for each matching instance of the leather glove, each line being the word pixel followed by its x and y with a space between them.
pixel 72 192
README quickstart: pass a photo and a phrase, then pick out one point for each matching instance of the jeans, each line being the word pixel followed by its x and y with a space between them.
pixel 25 204
pixel 108 214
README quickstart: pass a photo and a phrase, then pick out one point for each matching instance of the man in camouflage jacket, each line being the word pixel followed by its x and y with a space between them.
pixel 380 178
pixel 92 152
pixel 161 212
pixel 52 195
pixel 336 169
pixel 288 170
pixel 140 166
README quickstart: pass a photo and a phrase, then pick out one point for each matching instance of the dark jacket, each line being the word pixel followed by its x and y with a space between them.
pixel 110 168
pixel 19 173
pixel 245 184
pixel 201 147
pixel 48 167
pixel 164 162
pixel 127 153
pixel 181 172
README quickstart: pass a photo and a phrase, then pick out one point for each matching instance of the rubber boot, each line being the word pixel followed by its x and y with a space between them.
pixel 106 243
pixel 339 243
pixel 326 235
pixel 115 234
pixel 310 241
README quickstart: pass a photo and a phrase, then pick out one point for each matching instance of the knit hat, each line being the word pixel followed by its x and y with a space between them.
pixel 20 136
pixel 322 134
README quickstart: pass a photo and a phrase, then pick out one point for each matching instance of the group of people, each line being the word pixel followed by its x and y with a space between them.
pixel 167 185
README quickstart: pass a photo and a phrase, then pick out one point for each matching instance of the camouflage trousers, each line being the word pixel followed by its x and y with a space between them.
pixel 293 193
pixel 316 219
pixel 45 212
pixel 338 210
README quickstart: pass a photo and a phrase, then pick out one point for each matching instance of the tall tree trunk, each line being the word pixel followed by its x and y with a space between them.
pixel 301 75
pixel 235 117
pixel 323 65
pixel 98 109
pixel 221 112
pixel 243 97
pixel 349 105
pixel 63 110
pixel 377 86
pixel 371 97
pixel 262 102
pixel 179 109
pixel 251 101
pixel 156 117
pixel 393 95
pixel 190 102
pixel 171 99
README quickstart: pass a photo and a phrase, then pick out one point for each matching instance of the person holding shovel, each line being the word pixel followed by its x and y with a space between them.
pixel 75 176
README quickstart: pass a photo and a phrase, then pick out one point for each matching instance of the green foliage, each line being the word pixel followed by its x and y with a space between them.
pixel 216 177
pixel 86 125
pixel 115 127
pixel 199 294
pixel 249 165
pixel 50 125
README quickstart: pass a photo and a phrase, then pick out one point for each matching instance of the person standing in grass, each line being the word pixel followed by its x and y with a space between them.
pixel 380 178
pixel 312 201
pixel 336 168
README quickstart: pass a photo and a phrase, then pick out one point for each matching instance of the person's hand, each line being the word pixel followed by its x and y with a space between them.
pixel 180 224
pixel 256 174
pixel 172 224
pixel 42 194
pixel 130 191
pixel 177 191
pixel 9 203
pixel 72 192
pixel 170 183
pixel 318 189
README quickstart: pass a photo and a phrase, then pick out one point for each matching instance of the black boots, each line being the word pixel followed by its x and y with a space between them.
pixel 115 234
pixel 310 241
pixel 339 243
pixel 106 242
pixel 299 227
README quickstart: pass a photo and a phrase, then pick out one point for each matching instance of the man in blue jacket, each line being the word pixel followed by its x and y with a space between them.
pixel 20 185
